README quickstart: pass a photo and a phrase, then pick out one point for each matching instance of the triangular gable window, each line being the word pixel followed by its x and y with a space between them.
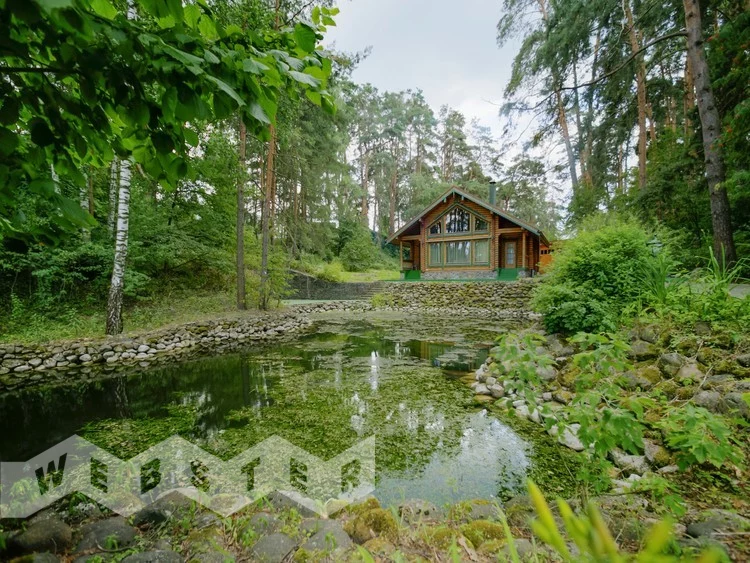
pixel 458 220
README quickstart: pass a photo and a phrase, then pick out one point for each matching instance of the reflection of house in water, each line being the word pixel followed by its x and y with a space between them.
pixel 449 356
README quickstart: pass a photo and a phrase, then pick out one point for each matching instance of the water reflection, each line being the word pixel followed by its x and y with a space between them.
pixel 324 392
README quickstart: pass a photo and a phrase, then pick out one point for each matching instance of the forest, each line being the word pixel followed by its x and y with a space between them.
pixel 193 152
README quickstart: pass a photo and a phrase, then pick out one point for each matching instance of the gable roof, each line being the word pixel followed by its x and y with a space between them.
pixel 489 207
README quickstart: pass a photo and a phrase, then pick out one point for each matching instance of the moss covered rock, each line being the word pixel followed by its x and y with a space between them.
pixel 480 531
pixel 364 506
pixel 376 522
pixel 380 547
pixel 650 373
pixel 441 537
pixel 491 547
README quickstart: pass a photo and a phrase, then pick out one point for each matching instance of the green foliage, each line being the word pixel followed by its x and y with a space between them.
pixel 86 82
pixel 700 436
pixel 594 541
pixel 359 253
pixel 594 276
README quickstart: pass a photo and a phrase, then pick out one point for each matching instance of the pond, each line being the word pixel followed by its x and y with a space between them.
pixel 394 376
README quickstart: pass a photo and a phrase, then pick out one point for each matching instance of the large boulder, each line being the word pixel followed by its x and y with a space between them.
pixel 330 538
pixel 273 549
pixel 689 372
pixel 717 521
pixel 154 557
pixel 709 400
pixel 629 463
pixel 106 535
pixel 671 362
pixel 641 350
pixel 51 534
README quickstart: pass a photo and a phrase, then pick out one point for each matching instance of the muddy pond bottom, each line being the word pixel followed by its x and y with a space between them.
pixel 391 376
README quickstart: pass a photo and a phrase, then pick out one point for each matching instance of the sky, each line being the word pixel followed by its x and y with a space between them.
pixel 446 48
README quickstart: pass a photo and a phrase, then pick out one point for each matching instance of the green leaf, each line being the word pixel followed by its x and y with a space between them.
pixel 211 58
pixel 182 56
pixel 259 113
pixel 191 138
pixel 207 28
pixel 50 5
pixel 104 8
pixel 41 134
pixel 253 66
pixel 8 141
pixel 305 37
pixel 9 111
pixel 313 96
pixel 227 89
pixel 192 15
pixel 304 78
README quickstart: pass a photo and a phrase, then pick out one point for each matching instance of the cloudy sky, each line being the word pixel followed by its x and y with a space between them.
pixel 443 47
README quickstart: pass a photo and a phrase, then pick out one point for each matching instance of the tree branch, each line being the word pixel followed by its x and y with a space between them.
pixel 41 70
pixel 622 65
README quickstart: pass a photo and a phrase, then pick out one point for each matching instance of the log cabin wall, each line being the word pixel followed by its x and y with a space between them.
pixel 474 208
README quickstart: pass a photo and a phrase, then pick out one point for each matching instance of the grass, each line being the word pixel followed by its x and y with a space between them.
pixel 173 308
pixel 371 276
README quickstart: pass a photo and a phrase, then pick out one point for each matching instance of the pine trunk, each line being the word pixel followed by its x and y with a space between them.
pixel 563 121
pixel 365 203
pixel 392 203
pixel 241 301
pixel 689 101
pixel 268 191
pixel 711 128
pixel 114 304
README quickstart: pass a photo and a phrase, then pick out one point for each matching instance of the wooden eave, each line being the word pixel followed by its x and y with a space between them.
pixel 459 192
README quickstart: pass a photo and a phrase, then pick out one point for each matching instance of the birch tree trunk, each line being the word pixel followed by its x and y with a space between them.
pixel 241 301
pixel 711 127
pixel 640 78
pixel 114 304
pixel 114 181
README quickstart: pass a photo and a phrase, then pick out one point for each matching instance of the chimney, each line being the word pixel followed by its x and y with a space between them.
pixel 493 192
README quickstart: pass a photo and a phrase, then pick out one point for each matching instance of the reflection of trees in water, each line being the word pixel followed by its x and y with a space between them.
pixel 122 404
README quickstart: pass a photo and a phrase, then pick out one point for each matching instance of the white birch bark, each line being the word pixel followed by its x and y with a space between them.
pixel 114 304
pixel 113 186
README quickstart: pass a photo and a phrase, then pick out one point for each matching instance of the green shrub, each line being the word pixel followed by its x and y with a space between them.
pixel 332 272
pixel 360 254
pixel 595 276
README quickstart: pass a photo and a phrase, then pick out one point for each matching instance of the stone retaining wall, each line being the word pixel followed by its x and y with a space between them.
pixel 489 295
pixel 303 286
pixel 24 365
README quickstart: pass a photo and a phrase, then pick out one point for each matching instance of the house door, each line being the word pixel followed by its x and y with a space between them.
pixel 510 254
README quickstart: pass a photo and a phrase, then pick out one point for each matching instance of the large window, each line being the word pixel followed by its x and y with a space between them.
pixel 458 220
pixel 436 253
pixel 481 252
pixel 458 252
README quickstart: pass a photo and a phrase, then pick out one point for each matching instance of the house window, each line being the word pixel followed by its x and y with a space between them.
pixel 481 252
pixel 480 225
pixel 436 253
pixel 510 254
pixel 458 252
pixel 436 228
pixel 458 221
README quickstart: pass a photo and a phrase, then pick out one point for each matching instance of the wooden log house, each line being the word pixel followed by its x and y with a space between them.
pixel 460 236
